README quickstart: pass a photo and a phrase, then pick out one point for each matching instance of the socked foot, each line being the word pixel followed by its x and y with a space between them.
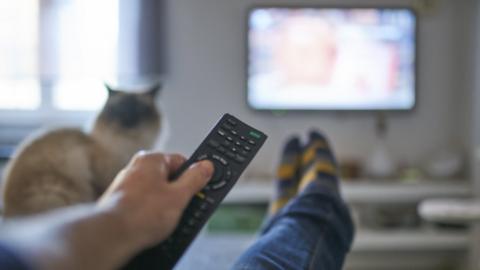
pixel 318 164
pixel 301 167
pixel 287 175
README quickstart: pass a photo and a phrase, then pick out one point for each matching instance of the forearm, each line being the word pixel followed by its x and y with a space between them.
pixel 82 237
pixel 140 208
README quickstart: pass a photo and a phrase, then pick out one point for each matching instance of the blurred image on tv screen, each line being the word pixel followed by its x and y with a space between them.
pixel 331 59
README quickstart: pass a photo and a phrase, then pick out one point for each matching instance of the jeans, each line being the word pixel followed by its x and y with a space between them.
pixel 313 231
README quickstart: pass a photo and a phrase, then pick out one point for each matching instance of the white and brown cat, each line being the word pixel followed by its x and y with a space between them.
pixel 63 167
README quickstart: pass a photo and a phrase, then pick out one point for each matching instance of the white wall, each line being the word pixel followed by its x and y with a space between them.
pixel 206 77
pixel 474 62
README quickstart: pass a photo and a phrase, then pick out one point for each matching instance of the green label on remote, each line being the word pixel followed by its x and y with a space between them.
pixel 255 134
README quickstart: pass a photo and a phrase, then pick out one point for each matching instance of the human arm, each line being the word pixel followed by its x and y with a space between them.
pixel 140 209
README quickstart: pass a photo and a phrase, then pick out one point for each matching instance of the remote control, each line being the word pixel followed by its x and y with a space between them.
pixel 230 145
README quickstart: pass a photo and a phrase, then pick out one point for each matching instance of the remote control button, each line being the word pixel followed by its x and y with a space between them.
pixel 221 132
pixel 226 143
pixel 218 172
pixel 252 142
pixel 213 143
pixel 232 122
pixel 230 154
pixel 243 152
pixel 219 185
pixel 186 230
pixel 237 143
pixel 239 159
pixel 234 132
pixel 229 138
pixel 243 138
pixel 210 200
pixel 234 149
pixel 192 222
pixel 203 206
pixel 220 159
pixel 200 195
pixel 227 126
pixel 248 148
pixel 197 214
pixel 228 174
pixel 221 149
pixel 202 157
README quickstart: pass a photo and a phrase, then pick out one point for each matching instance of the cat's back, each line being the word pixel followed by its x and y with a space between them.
pixel 49 162
pixel 58 146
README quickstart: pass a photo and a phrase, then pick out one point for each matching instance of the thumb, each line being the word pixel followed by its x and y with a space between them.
pixel 195 177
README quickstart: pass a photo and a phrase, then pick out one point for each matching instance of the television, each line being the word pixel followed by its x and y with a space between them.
pixel 333 59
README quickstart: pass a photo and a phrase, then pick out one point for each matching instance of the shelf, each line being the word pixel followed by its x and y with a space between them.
pixel 260 191
pixel 370 241
pixel 381 192
pixel 451 210
pixel 371 250
pixel 388 241
pixel 250 192
pixel 404 240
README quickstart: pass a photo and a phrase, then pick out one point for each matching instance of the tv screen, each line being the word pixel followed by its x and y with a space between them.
pixel 308 58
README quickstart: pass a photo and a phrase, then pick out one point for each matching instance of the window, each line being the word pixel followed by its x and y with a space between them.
pixel 87 52
pixel 19 88
pixel 56 54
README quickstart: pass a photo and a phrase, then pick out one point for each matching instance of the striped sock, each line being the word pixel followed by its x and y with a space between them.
pixel 287 175
pixel 318 164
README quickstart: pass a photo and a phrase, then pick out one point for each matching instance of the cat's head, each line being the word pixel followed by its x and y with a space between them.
pixel 130 111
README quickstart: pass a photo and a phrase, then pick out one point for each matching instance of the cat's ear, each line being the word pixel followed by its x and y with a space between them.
pixel 154 90
pixel 110 90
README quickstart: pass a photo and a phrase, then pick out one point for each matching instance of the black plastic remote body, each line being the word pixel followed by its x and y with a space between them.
pixel 230 145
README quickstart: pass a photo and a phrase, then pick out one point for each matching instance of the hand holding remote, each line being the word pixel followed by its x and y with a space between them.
pixel 148 204
pixel 230 146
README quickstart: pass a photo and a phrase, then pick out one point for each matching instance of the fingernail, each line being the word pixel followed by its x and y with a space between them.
pixel 141 153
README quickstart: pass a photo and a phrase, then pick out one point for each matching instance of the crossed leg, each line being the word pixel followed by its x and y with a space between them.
pixel 309 225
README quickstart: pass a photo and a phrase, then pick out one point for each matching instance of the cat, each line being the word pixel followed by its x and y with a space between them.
pixel 67 166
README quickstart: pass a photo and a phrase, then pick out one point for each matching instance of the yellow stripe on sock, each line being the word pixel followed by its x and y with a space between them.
pixel 311 174
pixel 286 171
pixel 307 178
pixel 326 167
pixel 310 153
pixel 278 204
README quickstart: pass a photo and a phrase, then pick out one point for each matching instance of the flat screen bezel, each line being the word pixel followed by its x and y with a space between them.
pixel 320 7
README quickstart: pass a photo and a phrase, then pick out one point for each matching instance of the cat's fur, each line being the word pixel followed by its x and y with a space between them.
pixel 67 166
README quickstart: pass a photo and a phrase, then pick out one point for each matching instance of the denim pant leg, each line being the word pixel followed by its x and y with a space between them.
pixel 314 231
